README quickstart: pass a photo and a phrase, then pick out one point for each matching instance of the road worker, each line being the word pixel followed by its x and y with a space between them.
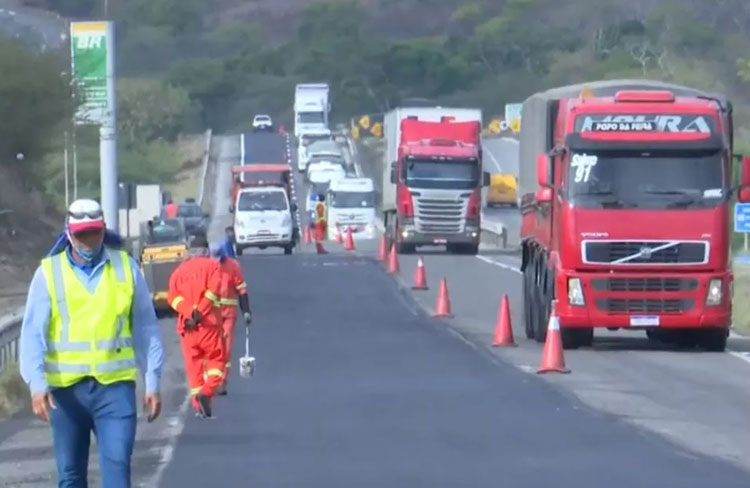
pixel 227 245
pixel 233 293
pixel 170 210
pixel 320 218
pixel 89 322
pixel 194 289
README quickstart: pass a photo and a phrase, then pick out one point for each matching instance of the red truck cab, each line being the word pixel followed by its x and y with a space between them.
pixel 625 201
pixel 261 174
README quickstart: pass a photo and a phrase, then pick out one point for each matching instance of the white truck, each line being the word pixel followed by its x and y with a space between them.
pixel 351 205
pixel 263 218
pixel 432 177
pixel 311 109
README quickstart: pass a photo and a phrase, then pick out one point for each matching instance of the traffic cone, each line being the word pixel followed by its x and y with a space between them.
pixel 383 249
pixel 552 356
pixel 349 246
pixel 443 307
pixel 503 328
pixel 308 235
pixel 339 237
pixel 393 266
pixel 420 277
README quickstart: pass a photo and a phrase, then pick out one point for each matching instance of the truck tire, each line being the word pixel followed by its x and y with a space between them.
pixel 713 340
pixel 288 249
pixel 528 313
pixel 404 248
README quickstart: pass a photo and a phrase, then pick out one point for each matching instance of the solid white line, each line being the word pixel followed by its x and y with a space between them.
pixel 242 148
pixel 494 160
pixel 499 264
pixel 176 425
pixel 744 356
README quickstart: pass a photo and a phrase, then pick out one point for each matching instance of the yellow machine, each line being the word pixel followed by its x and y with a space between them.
pixel 503 190
pixel 163 248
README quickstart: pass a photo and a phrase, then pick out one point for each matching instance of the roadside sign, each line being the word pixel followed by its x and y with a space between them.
pixel 90 63
pixel 742 217
pixel 364 122
pixel 513 116
pixel 377 129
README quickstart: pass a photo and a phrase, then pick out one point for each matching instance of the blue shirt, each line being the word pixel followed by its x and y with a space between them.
pixel 147 342
pixel 228 248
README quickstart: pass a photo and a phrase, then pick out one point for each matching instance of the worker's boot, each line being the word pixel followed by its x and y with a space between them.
pixel 223 389
pixel 203 404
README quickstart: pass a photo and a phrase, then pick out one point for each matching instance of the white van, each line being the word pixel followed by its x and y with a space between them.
pixel 351 205
pixel 263 218
pixel 305 141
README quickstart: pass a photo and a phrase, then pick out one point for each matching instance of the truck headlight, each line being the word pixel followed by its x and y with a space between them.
pixel 713 297
pixel 575 292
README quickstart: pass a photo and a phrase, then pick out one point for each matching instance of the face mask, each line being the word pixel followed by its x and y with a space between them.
pixel 85 254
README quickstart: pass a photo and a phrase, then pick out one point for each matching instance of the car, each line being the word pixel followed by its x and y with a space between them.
pixel 195 221
pixel 263 218
pixel 262 122
pixel 324 171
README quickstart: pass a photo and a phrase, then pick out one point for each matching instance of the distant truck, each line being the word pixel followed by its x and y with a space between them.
pixel 432 178
pixel 351 205
pixel 260 174
pixel 625 192
pixel 311 109
pixel 503 190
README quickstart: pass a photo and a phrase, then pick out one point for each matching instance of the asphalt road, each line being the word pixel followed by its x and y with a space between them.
pixel 265 147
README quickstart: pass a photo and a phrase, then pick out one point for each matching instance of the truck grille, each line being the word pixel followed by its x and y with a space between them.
pixel 644 284
pixel 439 216
pixel 645 252
pixel 644 305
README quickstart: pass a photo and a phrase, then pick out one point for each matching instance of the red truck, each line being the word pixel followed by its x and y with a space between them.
pixel 261 174
pixel 432 178
pixel 625 197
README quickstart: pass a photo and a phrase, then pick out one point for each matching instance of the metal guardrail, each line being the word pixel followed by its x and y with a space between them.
pixel 10 335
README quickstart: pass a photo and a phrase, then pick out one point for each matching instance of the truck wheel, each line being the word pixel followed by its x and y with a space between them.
pixel 713 340
pixel 239 250
pixel 288 249
pixel 404 248
pixel 528 313
pixel 544 301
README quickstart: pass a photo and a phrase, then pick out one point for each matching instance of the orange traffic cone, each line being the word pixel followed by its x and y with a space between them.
pixel 383 249
pixel 393 266
pixel 420 277
pixel 349 246
pixel 339 237
pixel 308 235
pixel 503 328
pixel 443 307
pixel 552 356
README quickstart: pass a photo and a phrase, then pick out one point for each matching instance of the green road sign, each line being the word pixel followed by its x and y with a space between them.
pixel 88 45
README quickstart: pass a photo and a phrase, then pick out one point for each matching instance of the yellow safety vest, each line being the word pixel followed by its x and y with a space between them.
pixel 89 334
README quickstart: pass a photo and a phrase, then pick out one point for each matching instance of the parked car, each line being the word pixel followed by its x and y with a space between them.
pixel 262 122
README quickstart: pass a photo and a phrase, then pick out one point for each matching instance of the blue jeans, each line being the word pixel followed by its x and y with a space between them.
pixel 108 410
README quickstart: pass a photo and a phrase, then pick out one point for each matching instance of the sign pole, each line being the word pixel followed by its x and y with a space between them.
pixel 108 141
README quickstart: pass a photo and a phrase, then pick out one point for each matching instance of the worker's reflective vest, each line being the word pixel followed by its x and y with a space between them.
pixel 89 334
pixel 320 212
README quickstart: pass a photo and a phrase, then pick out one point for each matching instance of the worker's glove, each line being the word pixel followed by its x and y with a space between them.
pixel 248 317
pixel 196 316
pixel 190 324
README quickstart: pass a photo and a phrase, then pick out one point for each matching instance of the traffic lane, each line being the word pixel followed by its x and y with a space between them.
pixel 670 392
pixel 510 217
pixel 265 147
pixel 501 155
pixel 355 387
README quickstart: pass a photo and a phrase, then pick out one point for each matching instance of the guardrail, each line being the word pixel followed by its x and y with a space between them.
pixel 10 334
pixel 206 157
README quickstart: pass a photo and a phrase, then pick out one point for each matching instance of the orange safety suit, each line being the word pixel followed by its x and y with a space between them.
pixel 196 285
pixel 170 211
pixel 320 224
pixel 233 285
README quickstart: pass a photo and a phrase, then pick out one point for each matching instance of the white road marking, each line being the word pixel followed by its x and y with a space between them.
pixel 176 425
pixel 499 264
pixel 494 160
pixel 744 356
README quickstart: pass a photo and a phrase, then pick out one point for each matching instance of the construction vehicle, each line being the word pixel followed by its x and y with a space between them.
pixel 625 198
pixel 432 178
pixel 163 246
pixel 503 190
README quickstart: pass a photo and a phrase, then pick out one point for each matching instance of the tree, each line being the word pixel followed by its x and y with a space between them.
pixel 35 98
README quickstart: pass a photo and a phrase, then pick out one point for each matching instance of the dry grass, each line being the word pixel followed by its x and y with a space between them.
pixel 187 181
pixel 741 302
pixel 13 391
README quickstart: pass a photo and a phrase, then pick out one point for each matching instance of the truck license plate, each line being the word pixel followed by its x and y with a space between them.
pixel 264 231
pixel 644 320
pixel 439 241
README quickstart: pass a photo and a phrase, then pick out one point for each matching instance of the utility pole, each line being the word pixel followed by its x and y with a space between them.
pixel 75 165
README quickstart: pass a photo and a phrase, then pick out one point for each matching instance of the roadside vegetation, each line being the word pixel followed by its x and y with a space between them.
pixel 13 391
pixel 741 304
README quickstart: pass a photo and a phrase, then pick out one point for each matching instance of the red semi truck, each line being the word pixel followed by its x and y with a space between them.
pixel 625 197
pixel 432 178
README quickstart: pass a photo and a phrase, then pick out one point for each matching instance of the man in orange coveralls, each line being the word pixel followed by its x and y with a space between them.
pixel 194 289
pixel 233 292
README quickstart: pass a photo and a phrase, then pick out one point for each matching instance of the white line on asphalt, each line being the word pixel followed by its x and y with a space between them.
pixel 744 356
pixel 499 264
pixel 242 148
pixel 494 160
pixel 176 425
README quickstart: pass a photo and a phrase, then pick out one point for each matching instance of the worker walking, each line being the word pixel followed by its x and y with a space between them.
pixel 89 322
pixel 194 289
pixel 170 210
pixel 227 245
pixel 319 223
pixel 233 293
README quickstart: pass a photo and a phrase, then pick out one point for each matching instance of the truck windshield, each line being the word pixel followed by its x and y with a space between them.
pixel 310 118
pixel 262 200
pixel 649 180
pixel 352 199
pixel 459 175
pixel 189 211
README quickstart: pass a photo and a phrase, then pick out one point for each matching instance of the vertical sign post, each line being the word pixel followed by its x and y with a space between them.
pixel 93 60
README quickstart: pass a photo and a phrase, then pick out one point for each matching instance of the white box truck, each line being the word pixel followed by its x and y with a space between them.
pixel 311 109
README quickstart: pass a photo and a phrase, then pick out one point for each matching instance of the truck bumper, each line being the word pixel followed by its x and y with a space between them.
pixel 644 301
pixel 408 234
pixel 262 240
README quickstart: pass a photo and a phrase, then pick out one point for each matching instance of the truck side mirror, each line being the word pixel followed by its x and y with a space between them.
pixel 544 195
pixel 543 170
pixel 485 178
pixel 393 172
